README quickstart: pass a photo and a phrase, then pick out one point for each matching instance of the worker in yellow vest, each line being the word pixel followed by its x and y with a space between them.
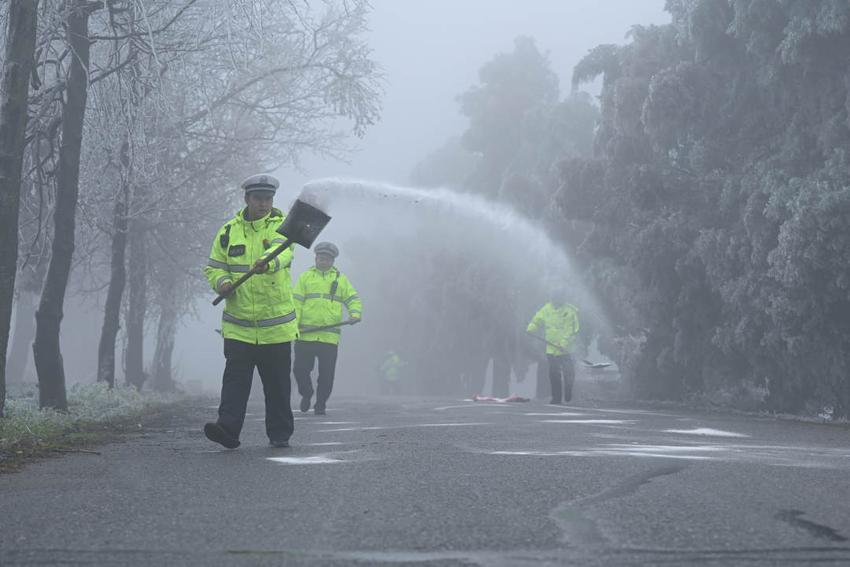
pixel 259 319
pixel 320 294
pixel 558 322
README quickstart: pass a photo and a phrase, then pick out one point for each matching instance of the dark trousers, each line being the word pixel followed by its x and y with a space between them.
pixel 561 367
pixel 273 362
pixel 306 353
pixel 543 389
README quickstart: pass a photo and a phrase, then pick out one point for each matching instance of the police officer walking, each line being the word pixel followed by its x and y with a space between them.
pixel 320 294
pixel 559 321
pixel 259 319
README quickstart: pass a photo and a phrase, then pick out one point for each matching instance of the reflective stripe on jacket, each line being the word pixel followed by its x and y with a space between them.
pixel 317 306
pixel 261 311
pixel 560 326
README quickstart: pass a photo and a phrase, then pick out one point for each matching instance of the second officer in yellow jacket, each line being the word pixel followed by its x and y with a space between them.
pixel 559 322
pixel 320 294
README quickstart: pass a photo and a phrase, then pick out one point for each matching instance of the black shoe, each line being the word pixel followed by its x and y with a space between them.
pixel 319 410
pixel 215 432
pixel 305 404
pixel 279 443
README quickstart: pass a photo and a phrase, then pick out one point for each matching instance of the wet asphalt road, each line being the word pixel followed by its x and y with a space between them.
pixel 445 482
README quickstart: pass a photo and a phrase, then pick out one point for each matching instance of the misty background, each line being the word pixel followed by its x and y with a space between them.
pixel 677 169
pixel 430 53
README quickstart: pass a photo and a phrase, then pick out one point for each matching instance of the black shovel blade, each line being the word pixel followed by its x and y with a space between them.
pixel 303 223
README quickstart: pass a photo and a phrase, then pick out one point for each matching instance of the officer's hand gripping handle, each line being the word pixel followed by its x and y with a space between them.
pixel 274 254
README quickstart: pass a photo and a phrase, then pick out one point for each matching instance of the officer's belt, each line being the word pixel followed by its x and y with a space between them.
pixel 261 323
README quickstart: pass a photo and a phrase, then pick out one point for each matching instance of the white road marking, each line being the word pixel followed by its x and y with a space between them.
pixel 706 431
pixel 662 456
pixel 658 451
pixel 376 428
pixel 775 455
pixel 591 421
pixel 312 460
pixel 445 424
pixel 529 453
pixel 556 414
pixel 632 447
pixel 600 454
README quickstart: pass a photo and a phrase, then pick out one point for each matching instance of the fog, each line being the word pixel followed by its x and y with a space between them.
pixel 430 53
pixel 597 253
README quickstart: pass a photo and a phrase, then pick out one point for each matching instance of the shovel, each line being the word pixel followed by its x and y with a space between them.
pixel 326 327
pixel 302 225
pixel 538 337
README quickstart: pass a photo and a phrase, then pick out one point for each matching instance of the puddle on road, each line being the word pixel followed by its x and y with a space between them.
pixel 707 431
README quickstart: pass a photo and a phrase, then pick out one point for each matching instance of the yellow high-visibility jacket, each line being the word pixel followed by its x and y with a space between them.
pixel 560 325
pixel 391 367
pixel 261 311
pixel 319 297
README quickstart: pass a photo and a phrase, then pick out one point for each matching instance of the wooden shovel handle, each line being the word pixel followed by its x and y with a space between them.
pixel 254 269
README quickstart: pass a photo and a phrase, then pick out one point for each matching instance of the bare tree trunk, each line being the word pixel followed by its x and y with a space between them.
pixel 14 88
pixel 46 352
pixel 137 305
pixel 19 352
pixel 165 334
pixel 112 309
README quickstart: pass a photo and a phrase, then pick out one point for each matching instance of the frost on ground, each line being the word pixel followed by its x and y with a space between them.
pixel 94 411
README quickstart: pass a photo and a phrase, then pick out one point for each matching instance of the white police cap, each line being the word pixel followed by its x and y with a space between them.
pixel 326 248
pixel 260 182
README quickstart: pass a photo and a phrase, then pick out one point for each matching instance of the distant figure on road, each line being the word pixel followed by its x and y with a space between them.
pixel 319 296
pixel 558 321
pixel 259 320
pixel 390 371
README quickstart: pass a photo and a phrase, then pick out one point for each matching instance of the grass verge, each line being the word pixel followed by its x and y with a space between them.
pixel 95 414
